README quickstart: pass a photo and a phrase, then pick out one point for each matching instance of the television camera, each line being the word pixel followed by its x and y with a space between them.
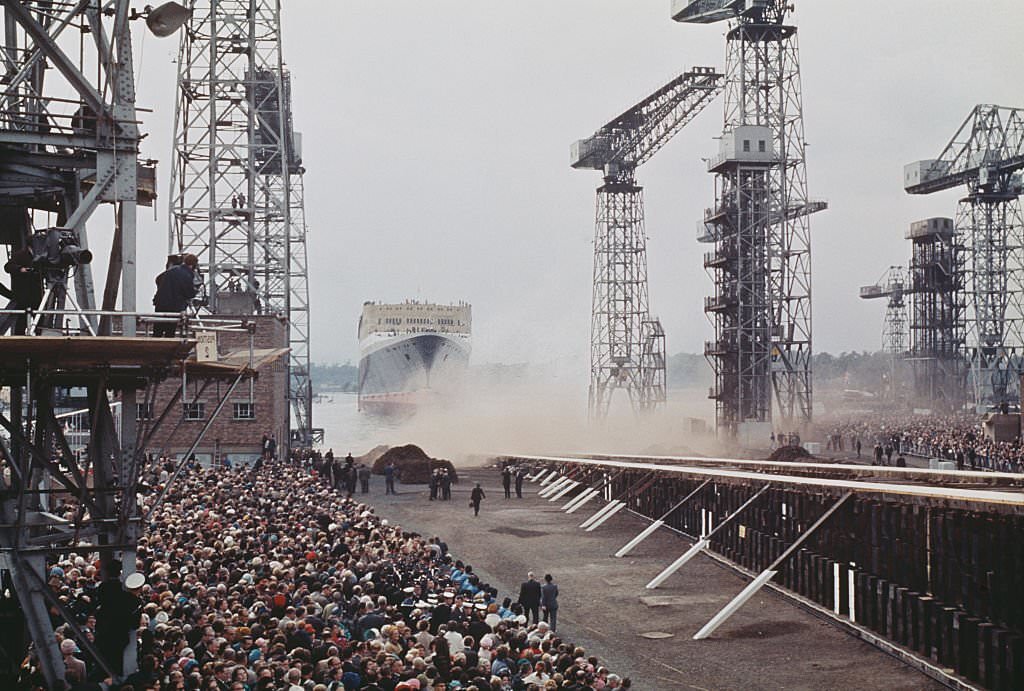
pixel 57 249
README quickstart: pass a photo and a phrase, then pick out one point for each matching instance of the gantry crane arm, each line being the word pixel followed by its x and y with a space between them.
pixel 710 11
pixel 892 284
pixel 987 149
pixel 633 137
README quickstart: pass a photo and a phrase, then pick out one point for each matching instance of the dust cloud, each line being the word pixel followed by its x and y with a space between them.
pixel 540 414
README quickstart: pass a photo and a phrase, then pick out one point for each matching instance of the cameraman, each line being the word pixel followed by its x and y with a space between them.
pixel 174 288
pixel 26 289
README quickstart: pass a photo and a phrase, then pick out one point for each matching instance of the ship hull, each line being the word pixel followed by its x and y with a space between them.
pixel 399 374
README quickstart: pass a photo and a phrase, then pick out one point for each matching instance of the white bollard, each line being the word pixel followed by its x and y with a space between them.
pixel 564 491
pixel 736 603
pixel 639 538
pixel 618 507
pixel 578 498
pixel 677 564
pixel 597 514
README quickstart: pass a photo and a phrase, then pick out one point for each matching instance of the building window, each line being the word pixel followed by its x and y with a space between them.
pixel 746 145
pixel 243 411
pixel 143 411
pixel 760 146
pixel 195 411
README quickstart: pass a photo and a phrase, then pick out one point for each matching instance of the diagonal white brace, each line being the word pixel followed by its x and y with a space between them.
pixel 639 538
pixel 565 490
pixel 619 506
pixel 678 563
pixel 597 514
pixel 548 477
pixel 660 522
pixel 736 603
pixel 768 573
pixel 580 498
pixel 554 487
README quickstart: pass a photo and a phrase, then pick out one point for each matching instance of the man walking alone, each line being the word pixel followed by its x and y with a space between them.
pixel 476 497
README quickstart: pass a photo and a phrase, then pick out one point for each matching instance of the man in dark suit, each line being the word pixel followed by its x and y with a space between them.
pixel 549 602
pixel 529 597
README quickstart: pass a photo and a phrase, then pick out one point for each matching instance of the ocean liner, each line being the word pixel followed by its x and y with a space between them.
pixel 411 354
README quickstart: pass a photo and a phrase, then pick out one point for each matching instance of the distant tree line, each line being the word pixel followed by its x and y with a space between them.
pixel 848 370
pixel 334 377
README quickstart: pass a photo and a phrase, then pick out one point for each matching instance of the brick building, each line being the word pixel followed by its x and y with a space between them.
pixel 251 411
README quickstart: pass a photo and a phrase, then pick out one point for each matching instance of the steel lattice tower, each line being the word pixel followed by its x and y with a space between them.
pixel 627 345
pixel 937 313
pixel 759 225
pixel 986 155
pixel 619 309
pixel 236 187
pixel 300 385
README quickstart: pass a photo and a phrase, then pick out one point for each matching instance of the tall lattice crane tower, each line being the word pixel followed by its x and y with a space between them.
pixel 986 155
pixel 236 197
pixel 627 345
pixel 937 313
pixel 894 287
pixel 761 264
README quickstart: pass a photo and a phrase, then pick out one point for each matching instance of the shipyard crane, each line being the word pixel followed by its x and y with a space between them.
pixel 69 144
pixel 761 264
pixel 893 287
pixel 627 345
pixel 986 156
pixel 237 179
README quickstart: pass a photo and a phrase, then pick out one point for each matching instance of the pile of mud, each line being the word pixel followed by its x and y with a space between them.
pixel 412 464
pixel 789 454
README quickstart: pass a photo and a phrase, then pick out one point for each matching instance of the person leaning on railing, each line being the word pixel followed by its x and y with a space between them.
pixel 174 288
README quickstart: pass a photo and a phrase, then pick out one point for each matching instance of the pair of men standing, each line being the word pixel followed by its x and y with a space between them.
pixel 534 596
pixel 508 473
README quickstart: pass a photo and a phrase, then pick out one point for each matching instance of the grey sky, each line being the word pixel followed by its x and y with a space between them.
pixel 436 140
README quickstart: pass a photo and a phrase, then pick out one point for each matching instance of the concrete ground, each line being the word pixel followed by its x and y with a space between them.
pixel 769 644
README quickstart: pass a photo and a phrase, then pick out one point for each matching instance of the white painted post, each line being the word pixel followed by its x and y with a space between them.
pixel 835 581
pixel 600 512
pixel 736 603
pixel 579 505
pixel 565 490
pixel 678 563
pixel 647 532
pixel 853 608
pixel 619 506
pixel 578 498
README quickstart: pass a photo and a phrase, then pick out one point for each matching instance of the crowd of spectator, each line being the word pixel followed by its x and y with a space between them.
pixel 267 578
pixel 956 437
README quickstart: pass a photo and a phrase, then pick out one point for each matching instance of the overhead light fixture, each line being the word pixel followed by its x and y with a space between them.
pixel 166 19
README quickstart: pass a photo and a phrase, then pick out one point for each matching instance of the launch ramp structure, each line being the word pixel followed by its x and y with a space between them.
pixel 986 155
pixel 627 345
pixel 759 225
pixel 236 188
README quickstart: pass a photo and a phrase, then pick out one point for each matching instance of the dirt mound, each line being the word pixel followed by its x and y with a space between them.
pixel 790 453
pixel 371 456
pixel 412 464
